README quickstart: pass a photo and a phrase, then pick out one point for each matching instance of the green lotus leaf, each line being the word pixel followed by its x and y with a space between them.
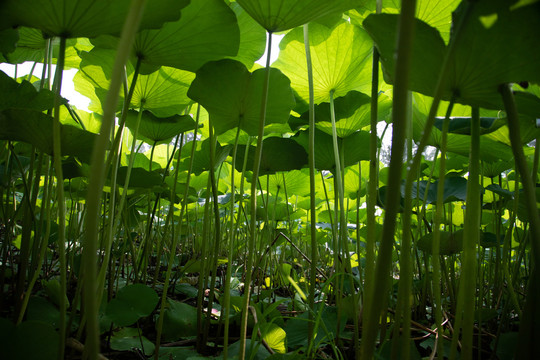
pixel 232 95
pixel 356 148
pixel 201 158
pixel 157 130
pixel 296 328
pixel 280 15
pixel 128 339
pixel 450 243
pixel 83 18
pixel 23 95
pixel 352 113
pixel 43 337
pixel 455 189
pixel 275 337
pixel 294 182
pixel 163 92
pixel 35 127
pixel 180 320
pixel 279 154
pixel 32 46
pixel 8 42
pixel 436 13
pixel 498 45
pixel 207 31
pixel 131 303
pixel 339 57
pixel 139 178
pixel 252 37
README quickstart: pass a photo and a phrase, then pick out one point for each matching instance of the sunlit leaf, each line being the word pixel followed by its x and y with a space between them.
pixel 252 37
pixel 279 15
pixel 163 92
pixel 206 31
pixel 339 57
pixel 275 337
pixel 508 52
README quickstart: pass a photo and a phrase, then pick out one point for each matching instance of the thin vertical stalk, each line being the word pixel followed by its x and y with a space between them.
pixel 205 264
pixel 217 231
pixel 399 111
pixel 467 285
pixel 232 237
pixel 312 174
pixel 47 189
pixel 372 181
pixel 394 175
pixel 339 205
pixel 114 221
pixel 97 178
pixel 253 205
pixel 174 242
pixel 57 153
pixel 435 250
pixel 529 330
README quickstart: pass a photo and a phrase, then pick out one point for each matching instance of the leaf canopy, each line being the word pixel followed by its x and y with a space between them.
pixel 83 18
pixel 498 45
pixel 280 15
pixel 339 57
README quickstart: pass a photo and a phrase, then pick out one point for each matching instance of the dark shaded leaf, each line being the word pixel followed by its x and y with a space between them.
pixel 232 95
pixel 131 303
pixel 157 130
pixel 83 18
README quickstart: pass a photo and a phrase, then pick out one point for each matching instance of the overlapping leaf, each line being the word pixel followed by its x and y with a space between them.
pixel 232 95
pixel 131 303
pixel 339 58
pixel 279 154
pixel 352 113
pixel 157 130
pixel 355 148
pixel 280 15
pixel 163 92
pixel 498 45
pixel 83 18
pixel 252 37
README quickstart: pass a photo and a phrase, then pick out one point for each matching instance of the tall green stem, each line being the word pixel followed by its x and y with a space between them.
pixel 467 285
pixel 57 153
pixel 399 111
pixel 97 178
pixel 217 231
pixel 174 242
pixel 232 237
pixel 312 213
pixel 529 327
pixel 435 250
pixel 253 205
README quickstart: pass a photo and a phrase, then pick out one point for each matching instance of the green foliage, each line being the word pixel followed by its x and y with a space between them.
pixel 158 229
